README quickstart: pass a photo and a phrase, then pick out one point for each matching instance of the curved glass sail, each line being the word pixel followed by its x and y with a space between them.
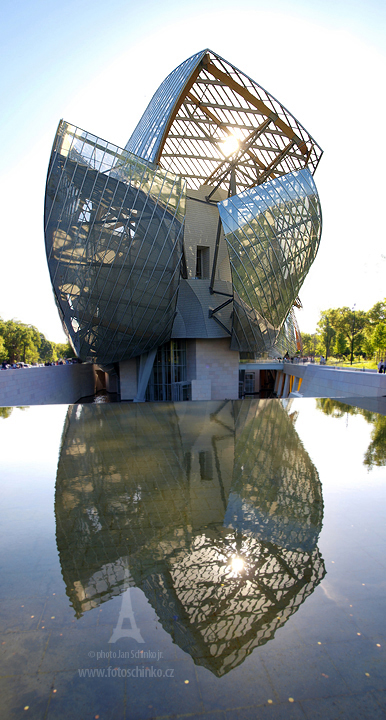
pixel 208 121
pixel 147 136
pixel 114 219
pixel 273 234
pixel 113 230
pixel 212 509
pixel 289 339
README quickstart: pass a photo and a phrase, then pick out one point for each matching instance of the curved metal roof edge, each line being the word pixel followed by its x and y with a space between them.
pixel 154 98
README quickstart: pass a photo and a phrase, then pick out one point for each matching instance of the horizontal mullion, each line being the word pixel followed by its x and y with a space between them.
pixel 207 121
pixel 188 156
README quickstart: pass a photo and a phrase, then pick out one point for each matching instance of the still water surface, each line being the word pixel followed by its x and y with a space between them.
pixel 202 560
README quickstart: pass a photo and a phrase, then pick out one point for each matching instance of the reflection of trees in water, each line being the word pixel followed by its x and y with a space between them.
pixel 376 452
pixel 5 412
pixel 178 494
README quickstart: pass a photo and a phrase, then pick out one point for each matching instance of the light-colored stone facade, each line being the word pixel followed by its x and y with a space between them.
pixel 218 364
pixel 128 379
pixel 322 381
pixel 328 382
pixel 52 385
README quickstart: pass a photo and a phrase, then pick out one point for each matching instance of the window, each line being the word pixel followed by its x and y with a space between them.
pixel 202 263
pixel 168 377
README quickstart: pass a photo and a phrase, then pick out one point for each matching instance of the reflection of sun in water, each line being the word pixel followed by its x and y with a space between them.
pixel 237 564
pixel 230 145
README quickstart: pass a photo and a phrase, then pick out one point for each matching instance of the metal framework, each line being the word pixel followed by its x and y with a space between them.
pixel 273 234
pixel 113 228
pixel 204 103
pixel 114 218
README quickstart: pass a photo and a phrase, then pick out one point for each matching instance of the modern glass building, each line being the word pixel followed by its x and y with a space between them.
pixel 172 256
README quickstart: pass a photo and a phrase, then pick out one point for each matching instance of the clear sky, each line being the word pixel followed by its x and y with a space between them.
pixel 97 64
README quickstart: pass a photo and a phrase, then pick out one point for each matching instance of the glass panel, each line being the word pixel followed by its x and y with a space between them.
pixel 168 377
pixel 273 234
pixel 113 228
pixel 147 135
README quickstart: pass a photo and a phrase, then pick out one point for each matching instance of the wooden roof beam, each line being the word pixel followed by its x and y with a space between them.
pixel 275 162
pixel 259 104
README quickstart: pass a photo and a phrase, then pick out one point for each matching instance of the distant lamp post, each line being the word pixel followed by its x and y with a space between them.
pixel 352 336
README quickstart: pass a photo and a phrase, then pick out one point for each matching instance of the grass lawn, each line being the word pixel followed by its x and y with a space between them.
pixel 367 364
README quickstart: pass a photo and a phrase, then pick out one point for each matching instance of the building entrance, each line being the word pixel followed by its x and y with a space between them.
pixel 168 377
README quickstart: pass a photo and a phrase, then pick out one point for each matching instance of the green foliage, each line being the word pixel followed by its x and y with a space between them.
pixel 377 314
pixel 63 350
pixel 340 346
pixel 376 452
pixel 24 343
pixel 351 323
pixel 335 408
pixel 345 331
pixel 21 342
pixel 5 412
pixel 326 332
pixel 378 337
pixel 309 344
pixel 47 350
pixel 3 352
pixel 367 344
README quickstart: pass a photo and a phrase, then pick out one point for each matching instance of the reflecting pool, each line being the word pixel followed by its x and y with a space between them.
pixel 193 560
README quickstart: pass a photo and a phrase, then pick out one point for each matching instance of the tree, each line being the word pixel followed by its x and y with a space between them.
pixel 367 344
pixel 30 343
pixel 5 412
pixel 21 341
pixel 327 331
pixel 351 323
pixel 3 352
pixel 378 338
pixel 340 347
pixel 376 452
pixel 63 350
pixel 309 343
pixel 349 330
pixel 46 350
pixel 377 313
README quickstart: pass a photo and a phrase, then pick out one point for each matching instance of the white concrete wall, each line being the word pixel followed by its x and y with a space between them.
pixel 52 385
pixel 128 379
pixel 217 363
pixel 324 381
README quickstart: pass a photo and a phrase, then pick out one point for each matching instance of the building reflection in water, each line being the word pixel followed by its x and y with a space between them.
pixel 212 509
